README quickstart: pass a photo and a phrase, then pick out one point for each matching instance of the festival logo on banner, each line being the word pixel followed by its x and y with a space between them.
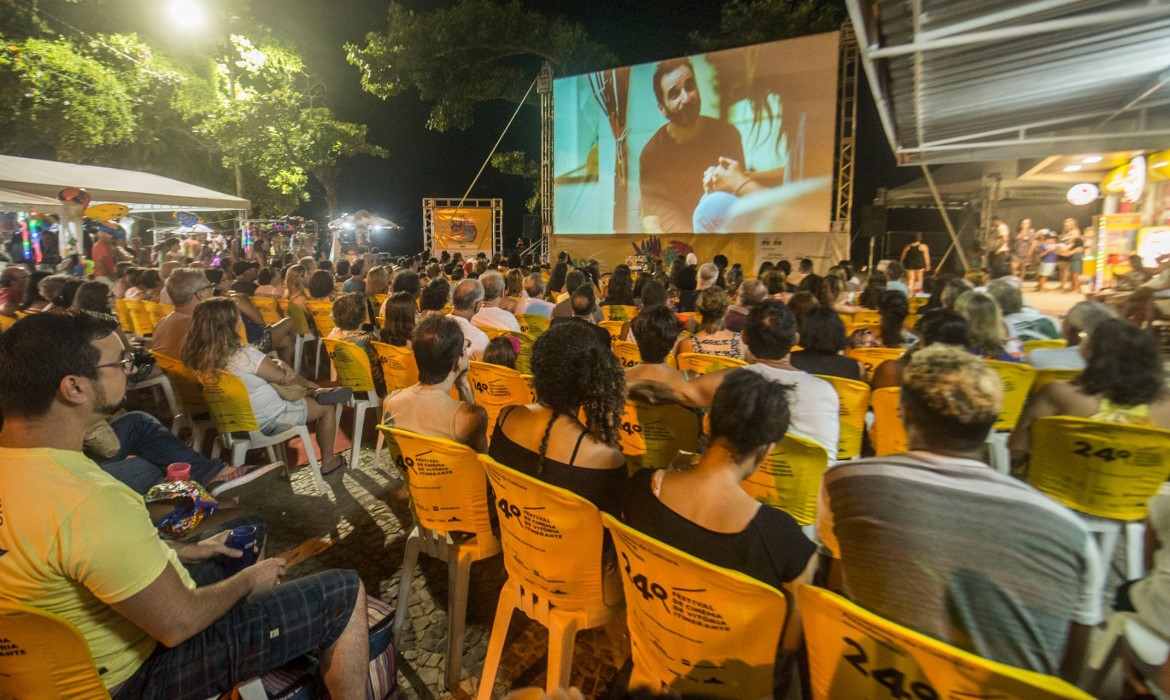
pixel 466 229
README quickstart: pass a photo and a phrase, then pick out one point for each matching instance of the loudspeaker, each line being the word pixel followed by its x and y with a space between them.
pixel 873 221
pixel 531 227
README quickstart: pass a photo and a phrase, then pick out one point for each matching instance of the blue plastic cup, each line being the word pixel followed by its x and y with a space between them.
pixel 243 539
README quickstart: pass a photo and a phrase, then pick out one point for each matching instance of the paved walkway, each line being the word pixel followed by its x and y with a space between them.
pixel 363 525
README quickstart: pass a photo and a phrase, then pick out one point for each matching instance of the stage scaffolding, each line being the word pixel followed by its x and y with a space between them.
pixel 431 204
pixel 544 87
pixel 846 131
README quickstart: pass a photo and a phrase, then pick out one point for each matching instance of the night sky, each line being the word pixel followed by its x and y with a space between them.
pixel 426 163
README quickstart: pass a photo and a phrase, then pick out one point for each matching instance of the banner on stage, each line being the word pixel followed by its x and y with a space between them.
pixel 749 249
pixel 466 230
pixel 733 141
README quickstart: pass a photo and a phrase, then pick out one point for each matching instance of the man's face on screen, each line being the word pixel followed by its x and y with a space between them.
pixel 680 97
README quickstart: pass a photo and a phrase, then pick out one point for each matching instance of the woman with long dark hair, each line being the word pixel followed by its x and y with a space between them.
pixel 893 309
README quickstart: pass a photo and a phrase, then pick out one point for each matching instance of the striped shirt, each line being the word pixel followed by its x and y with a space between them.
pixel 957 551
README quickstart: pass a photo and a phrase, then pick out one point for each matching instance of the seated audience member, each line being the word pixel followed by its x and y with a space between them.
pixel 378 282
pixel 1122 382
pixel 85 547
pixel 710 337
pixel 466 300
pixel 294 286
pixel 427 407
pixel 47 289
pixel 401 315
pixel 187 287
pixel 936 540
pixel 513 291
pixel 776 283
pixel 875 287
pixel 1023 322
pixel 653 294
pixel 769 334
pixel 573 374
pixel 1080 322
pixel 352 325
pixel 937 326
pixel 556 282
pixel 122 280
pixel 213 344
pixel 896 278
pixel 433 299
pixel 502 351
pixel 732 278
pixel 835 291
pixel 573 281
pixel 950 291
pixel 64 300
pixel 803 269
pixel 1149 597
pixel 490 315
pixel 13 288
pixel 356 282
pixel 621 288
pixel 147 287
pixel 245 282
pixel 534 304
pixel 278 338
pixel 893 308
pixel 704 512
pixel 986 333
pixel 707 276
pixel 321 286
pixel 822 337
pixel 751 292
pixel 583 305
pixel 800 303
pixel 655 331
pixel 265 287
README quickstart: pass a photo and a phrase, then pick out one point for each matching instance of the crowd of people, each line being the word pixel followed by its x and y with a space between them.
pixel 932 539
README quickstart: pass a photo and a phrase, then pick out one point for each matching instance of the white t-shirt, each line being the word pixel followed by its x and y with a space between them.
pixel 812 405
pixel 475 340
pixel 266 403
pixel 536 307
pixel 1056 358
pixel 495 317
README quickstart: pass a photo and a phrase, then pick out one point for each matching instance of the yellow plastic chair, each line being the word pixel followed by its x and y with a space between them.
pixel 533 323
pixel 872 358
pixel 696 628
pixel 46 657
pixel 853 653
pixel 888 434
pixel 449 499
pixel 495 387
pixel 1017 381
pixel 694 363
pixel 122 310
pixel 322 314
pixel 354 371
pixel 552 542
pixel 790 478
pixel 917 302
pixel 379 301
pixel 1054 344
pixel 140 318
pixel 524 357
pixel 853 399
pixel 618 312
pixel 866 317
pixel 1047 376
pixel 193 411
pixel 652 436
pixel 1108 471
pixel 230 408
pixel 302 333
pixel 614 328
pixel 627 353
pixel 6 322
pixel 269 309
pixel 156 311
pixel 399 370
pixel 492 332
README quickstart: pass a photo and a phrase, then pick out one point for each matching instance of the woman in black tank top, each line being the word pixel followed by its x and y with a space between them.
pixel 916 261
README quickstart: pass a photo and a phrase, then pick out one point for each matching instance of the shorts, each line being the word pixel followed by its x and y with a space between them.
pixel 261 633
pixel 1047 269
pixel 1076 264
pixel 293 414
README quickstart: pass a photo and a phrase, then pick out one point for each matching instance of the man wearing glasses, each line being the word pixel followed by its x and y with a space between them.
pixel 186 287
pixel 76 542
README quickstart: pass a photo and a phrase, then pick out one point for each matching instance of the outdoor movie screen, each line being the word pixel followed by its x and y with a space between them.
pixel 726 142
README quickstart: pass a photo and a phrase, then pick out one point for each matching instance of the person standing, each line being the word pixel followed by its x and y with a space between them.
pixel 916 259
pixel 1023 248
pixel 1046 252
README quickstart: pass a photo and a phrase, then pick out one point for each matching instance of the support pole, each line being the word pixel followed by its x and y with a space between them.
pixel 946 218
pixel 544 87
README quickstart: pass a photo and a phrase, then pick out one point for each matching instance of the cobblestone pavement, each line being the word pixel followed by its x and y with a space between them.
pixel 363 525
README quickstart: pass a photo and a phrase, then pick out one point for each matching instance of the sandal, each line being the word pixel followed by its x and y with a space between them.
pixel 341 464
pixel 336 395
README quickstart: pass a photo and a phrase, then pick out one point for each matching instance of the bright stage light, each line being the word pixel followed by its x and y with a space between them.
pixel 186 13
pixel 1091 159
pixel 1071 168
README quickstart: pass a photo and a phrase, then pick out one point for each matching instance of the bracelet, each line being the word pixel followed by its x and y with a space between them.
pixel 741 186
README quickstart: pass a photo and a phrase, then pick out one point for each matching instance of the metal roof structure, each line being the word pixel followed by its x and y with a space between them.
pixel 962 80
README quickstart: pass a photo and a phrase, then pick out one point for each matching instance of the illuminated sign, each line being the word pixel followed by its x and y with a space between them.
pixel 1082 194
pixel 1135 180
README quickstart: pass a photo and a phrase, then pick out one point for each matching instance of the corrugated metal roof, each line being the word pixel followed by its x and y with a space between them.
pixel 982 79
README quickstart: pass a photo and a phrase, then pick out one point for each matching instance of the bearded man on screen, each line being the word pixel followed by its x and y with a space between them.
pixel 676 165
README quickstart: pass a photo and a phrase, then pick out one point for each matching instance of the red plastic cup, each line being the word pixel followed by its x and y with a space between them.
pixel 179 471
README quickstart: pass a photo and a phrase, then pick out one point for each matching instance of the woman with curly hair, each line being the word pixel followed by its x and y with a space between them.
pixel 398 327
pixel 573 373
pixel 711 338
pixel 1123 382
pixel 213 344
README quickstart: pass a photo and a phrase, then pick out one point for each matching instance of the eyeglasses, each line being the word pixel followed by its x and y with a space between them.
pixel 127 363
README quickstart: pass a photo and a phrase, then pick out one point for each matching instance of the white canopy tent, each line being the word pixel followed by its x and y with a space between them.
pixel 28 183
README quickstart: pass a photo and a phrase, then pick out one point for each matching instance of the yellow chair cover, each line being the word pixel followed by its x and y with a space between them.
pixel 227 400
pixel 533 323
pixel 1017 381
pixel 322 313
pixel 300 319
pixel 618 312
pixel 493 332
pixel 42 655
pixel 496 387
pixel 696 628
pixel 872 358
pixel 398 366
pixel 1110 470
pixel 627 353
pixel 524 357
pixel 156 312
pixel 122 310
pixel 853 399
pixel 140 317
pixel 352 365
pixel 268 308
pixel 614 328
pixel 853 653
pixel 6 322
pixel 790 479
pixel 700 363
pixel 1054 344
pixel 651 436
pixel 184 383
pixel 888 434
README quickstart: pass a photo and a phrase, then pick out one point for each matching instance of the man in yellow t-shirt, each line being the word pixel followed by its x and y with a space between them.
pixel 76 542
